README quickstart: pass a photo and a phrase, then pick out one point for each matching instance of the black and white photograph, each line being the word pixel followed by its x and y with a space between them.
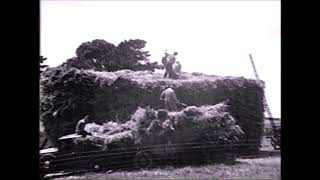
pixel 142 90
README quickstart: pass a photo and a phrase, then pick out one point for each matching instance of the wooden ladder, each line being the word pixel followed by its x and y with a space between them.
pixel 265 104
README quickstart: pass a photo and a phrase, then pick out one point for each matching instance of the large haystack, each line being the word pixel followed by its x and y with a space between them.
pixel 68 95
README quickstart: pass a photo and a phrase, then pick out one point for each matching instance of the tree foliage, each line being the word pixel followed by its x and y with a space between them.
pixel 101 55
pixel 42 66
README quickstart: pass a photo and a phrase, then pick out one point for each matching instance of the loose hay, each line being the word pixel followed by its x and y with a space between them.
pixel 210 123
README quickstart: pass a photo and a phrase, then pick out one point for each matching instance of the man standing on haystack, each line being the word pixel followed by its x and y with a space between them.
pixel 164 62
pixel 168 62
pixel 177 68
pixel 170 99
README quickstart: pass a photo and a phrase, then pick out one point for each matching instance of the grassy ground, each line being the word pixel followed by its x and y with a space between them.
pixel 257 168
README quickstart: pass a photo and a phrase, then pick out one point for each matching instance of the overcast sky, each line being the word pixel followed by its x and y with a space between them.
pixel 212 37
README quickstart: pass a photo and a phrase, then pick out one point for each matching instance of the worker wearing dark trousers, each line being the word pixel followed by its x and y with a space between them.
pixel 164 62
pixel 169 66
pixel 169 70
pixel 168 62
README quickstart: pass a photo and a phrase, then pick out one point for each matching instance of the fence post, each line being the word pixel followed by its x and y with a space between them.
pixel 232 149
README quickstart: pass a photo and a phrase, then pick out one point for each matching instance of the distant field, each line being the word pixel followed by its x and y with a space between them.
pixel 257 168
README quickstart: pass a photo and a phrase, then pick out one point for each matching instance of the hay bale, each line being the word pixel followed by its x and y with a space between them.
pixel 205 123
pixel 115 96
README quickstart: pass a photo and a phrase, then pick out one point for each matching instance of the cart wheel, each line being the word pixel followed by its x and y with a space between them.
pixel 47 157
pixel 45 164
pixel 97 165
pixel 275 143
pixel 208 155
pixel 142 160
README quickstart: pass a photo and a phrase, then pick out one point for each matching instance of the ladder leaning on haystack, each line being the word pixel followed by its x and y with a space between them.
pixel 276 130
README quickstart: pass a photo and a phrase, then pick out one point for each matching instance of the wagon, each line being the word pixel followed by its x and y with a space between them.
pixel 74 153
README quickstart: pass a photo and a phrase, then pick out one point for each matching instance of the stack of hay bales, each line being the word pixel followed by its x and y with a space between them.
pixel 115 96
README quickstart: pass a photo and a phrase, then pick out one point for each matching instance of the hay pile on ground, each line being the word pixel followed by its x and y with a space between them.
pixel 69 95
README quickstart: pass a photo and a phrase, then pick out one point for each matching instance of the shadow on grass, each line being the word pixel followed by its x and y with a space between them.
pixel 260 154
pixel 175 163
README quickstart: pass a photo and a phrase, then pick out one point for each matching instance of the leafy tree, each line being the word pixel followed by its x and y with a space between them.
pixel 101 55
pixel 98 55
pixel 132 55
pixel 42 66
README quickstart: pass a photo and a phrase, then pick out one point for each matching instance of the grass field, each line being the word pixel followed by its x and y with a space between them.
pixel 261 166
pixel 256 168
